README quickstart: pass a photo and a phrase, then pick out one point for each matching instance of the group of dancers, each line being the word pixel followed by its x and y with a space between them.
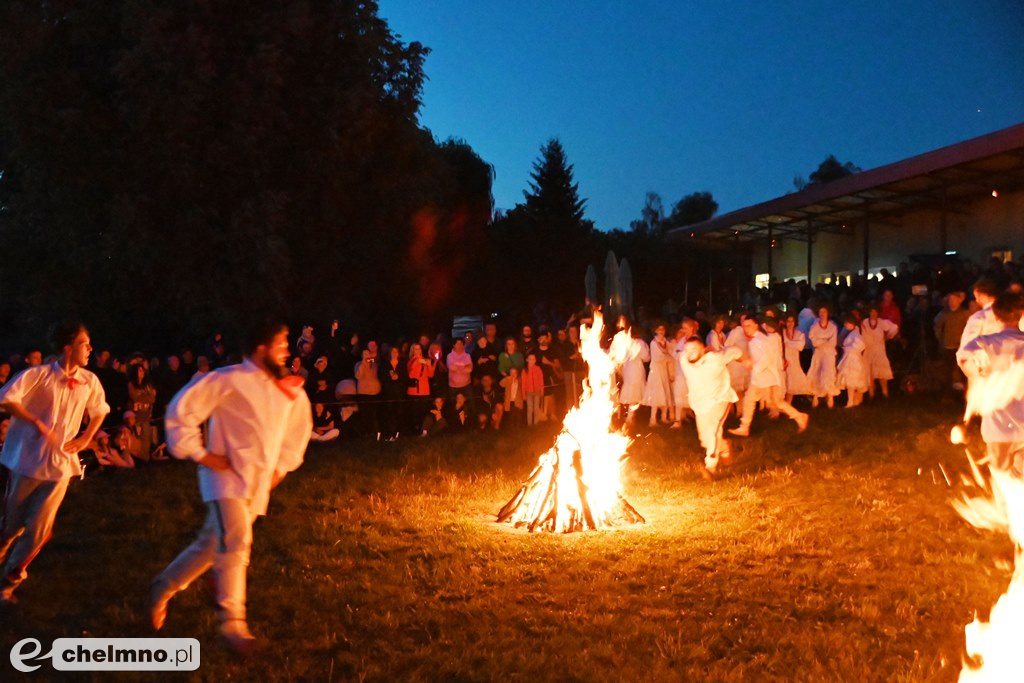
pixel 245 425
pixel 757 362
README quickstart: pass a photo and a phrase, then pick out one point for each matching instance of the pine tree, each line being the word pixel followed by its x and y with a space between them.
pixel 553 202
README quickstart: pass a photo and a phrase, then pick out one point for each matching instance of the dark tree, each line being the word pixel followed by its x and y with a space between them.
pixel 553 202
pixel 652 216
pixel 170 168
pixel 693 208
pixel 828 170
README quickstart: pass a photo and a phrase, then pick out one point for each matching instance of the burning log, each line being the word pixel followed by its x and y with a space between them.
pixel 576 485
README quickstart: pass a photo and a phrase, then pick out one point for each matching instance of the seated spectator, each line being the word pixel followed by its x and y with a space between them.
pixel 202 366
pixel 107 455
pixel 5 424
pixel 323 424
pixel 488 403
pixel 295 368
pixel 127 440
pixel 459 416
pixel 5 371
pixel 435 421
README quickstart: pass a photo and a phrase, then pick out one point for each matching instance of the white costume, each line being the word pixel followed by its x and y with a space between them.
pixel 874 336
pixel 679 390
pixel 796 379
pixel 981 322
pixel 739 374
pixel 852 373
pixel 658 392
pixel 715 341
pixel 822 373
pixel 40 470
pixel 634 378
pixel 263 427
pixel 766 379
pixel 995 365
pixel 710 395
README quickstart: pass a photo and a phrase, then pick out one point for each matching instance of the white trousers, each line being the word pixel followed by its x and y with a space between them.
pixel 224 543
pixel 776 402
pixel 30 506
pixel 710 420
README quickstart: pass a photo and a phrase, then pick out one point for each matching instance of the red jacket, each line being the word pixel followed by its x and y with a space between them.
pixel 532 379
pixel 419 377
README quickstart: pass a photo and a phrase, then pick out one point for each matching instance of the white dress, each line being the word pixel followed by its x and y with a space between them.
pixel 852 373
pixel 739 374
pixel 634 378
pixel 822 374
pixel 796 379
pixel 679 390
pixel 658 393
pixel 874 347
pixel 715 341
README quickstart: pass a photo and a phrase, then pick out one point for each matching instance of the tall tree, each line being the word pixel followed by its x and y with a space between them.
pixel 693 208
pixel 828 170
pixel 652 215
pixel 553 202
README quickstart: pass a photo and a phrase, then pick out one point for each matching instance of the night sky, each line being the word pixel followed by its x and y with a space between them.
pixel 733 98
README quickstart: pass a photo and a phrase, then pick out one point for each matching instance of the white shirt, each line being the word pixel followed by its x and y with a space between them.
pixel 983 321
pixel 995 364
pixel 708 378
pixel 766 354
pixel 60 401
pixel 261 429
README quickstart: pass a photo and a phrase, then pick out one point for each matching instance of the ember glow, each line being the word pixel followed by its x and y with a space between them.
pixel 577 484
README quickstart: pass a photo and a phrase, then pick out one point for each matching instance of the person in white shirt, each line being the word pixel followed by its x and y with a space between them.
pixel 634 377
pixel 794 341
pixel 658 391
pixel 739 372
pixel 716 337
pixel 876 331
pixel 982 321
pixel 47 403
pixel 766 377
pixel 823 335
pixel 711 395
pixel 259 424
pixel 852 371
pixel 680 397
pixel 994 364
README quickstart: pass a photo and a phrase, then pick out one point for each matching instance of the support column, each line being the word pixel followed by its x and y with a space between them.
pixel 943 238
pixel 737 266
pixel 867 241
pixel 810 253
pixel 771 249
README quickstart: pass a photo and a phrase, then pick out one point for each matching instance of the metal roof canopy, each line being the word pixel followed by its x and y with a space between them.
pixel 942 178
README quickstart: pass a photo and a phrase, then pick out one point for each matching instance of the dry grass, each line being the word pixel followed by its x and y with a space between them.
pixel 832 556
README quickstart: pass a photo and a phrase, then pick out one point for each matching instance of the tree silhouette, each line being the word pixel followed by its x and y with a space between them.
pixel 553 202
pixel 828 170
pixel 693 208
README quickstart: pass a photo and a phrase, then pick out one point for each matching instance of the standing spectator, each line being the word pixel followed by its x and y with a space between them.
pixel 949 329
pixel 5 371
pixel 142 396
pixel 515 399
pixel 438 380
pixel 533 389
pixel 202 366
pixel 321 371
pixel 485 359
pixel 510 358
pixel 368 387
pixel 395 383
pixel 982 321
pixel 573 366
pixel 295 369
pixel 460 370
pixel 420 369
pixel 658 393
pixel 551 366
pixel 824 335
pixel 527 343
pixel 889 309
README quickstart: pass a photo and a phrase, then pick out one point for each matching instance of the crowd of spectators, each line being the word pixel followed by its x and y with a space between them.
pixel 498 380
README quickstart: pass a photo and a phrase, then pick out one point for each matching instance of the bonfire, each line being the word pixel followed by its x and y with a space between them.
pixel 577 484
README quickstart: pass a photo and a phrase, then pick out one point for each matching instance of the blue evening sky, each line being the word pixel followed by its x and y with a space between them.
pixel 731 97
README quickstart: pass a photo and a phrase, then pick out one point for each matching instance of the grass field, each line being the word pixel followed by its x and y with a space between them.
pixel 834 555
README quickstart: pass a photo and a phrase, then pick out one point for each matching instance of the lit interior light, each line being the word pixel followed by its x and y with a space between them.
pixel 995 193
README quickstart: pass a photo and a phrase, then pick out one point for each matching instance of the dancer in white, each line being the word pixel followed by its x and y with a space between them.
pixel 658 392
pixel 766 377
pixel 794 341
pixel 716 337
pixel 823 336
pixel 852 372
pixel 983 320
pixel 634 377
pixel 711 394
pixel 994 364
pixel 47 403
pixel 680 398
pixel 739 373
pixel 259 427
pixel 876 331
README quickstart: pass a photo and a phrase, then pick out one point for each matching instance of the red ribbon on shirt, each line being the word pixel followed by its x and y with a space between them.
pixel 291 386
pixel 74 382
